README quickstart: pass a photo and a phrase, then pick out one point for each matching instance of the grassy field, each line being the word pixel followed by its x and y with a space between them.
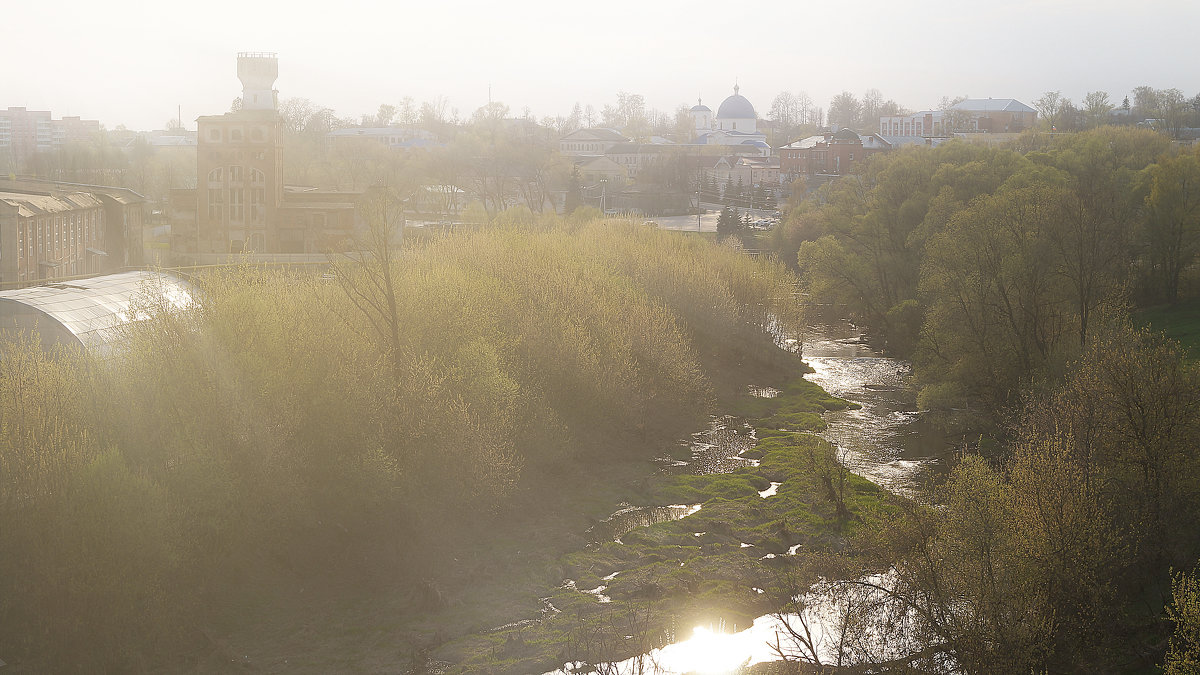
pixel 1179 322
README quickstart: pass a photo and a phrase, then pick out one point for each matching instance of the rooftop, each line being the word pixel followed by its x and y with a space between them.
pixel 736 107
pixel 992 105
pixel 92 310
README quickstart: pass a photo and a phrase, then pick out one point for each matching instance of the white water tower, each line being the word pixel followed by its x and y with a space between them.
pixel 258 71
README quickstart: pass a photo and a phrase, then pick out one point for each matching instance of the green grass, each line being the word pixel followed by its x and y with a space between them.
pixel 1179 322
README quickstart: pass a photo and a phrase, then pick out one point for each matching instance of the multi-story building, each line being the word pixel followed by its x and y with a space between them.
pixel 972 115
pixel 829 153
pixel 240 203
pixel 589 142
pixel 24 133
pixel 392 137
pixel 50 230
pixel 239 181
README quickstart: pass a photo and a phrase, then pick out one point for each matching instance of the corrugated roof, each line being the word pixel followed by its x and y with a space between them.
pixel 94 309
pixel 29 205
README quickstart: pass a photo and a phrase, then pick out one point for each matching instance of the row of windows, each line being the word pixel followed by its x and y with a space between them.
pixel 236 175
pixel 236 135
pixel 583 147
pixel 219 198
pixel 237 156
pixel 50 238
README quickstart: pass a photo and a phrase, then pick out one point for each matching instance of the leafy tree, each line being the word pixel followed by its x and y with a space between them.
pixel 1183 657
pixel 1093 242
pixel 1171 234
pixel 869 235
pixel 1070 533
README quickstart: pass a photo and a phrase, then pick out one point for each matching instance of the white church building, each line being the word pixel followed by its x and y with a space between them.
pixel 736 123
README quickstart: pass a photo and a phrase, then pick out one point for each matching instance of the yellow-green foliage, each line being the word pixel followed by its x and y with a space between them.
pixel 274 421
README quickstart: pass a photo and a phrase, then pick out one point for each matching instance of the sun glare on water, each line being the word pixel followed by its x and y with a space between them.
pixel 708 652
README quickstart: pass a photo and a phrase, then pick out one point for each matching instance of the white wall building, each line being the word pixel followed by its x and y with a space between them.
pixel 736 123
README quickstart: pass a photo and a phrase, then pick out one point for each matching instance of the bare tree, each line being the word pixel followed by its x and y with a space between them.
pixel 1096 108
pixel 367 275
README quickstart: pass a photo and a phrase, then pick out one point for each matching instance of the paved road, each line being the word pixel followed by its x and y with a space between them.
pixel 708 221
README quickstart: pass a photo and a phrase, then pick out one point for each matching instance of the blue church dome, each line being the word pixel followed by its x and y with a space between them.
pixel 736 107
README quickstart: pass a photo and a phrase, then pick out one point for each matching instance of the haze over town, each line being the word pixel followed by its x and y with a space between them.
pixel 133 64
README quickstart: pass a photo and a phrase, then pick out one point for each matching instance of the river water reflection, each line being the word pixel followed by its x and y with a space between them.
pixel 885 440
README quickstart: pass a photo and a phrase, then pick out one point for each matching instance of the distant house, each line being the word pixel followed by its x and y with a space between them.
pixel 997 115
pixel 972 115
pixel 925 123
pixel 829 153
pixel 636 157
pixel 605 169
pixel 749 171
pixel 393 137
pixel 589 142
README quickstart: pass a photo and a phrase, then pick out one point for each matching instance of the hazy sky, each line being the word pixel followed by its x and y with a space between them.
pixel 131 62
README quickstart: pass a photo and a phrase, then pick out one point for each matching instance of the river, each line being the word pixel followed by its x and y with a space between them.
pixel 885 440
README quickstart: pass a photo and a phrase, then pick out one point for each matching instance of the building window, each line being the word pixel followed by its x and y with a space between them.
pixel 257 197
pixel 257 135
pixel 215 205
pixel 235 174
pixel 236 212
pixel 235 135
pixel 216 175
pixel 214 135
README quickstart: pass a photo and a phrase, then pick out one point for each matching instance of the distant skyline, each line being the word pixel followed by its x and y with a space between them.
pixel 132 63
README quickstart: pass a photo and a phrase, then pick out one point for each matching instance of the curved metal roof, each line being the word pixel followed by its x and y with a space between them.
pixel 736 107
pixel 89 312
